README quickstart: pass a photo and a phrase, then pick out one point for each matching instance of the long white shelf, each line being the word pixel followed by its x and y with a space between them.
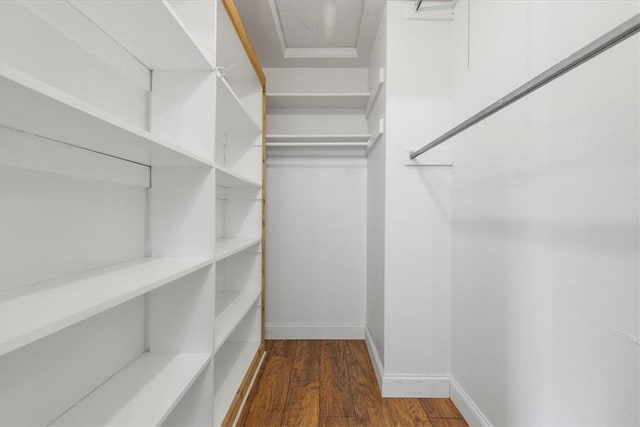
pixel 318 100
pixel 319 144
pixel 142 394
pixel 231 362
pixel 232 115
pixel 303 145
pixel 229 179
pixel 231 308
pixel 150 30
pixel 233 245
pixel 317 138
pixel 31 106
pixel 33 312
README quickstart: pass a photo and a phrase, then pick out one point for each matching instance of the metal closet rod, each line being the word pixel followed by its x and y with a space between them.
pixel 593 49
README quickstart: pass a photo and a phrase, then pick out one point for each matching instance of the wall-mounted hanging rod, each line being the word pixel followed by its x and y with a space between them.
pixel 593 49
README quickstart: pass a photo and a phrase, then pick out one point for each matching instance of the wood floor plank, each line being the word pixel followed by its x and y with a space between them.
pixel 303 405
pixel 335 391
pixel 440 408
pixel 407 413
pixel 268 402
pixel 449 422
pixel 368 402
pixel 340 422
pixel 290 391
pixel 306 364
pixel 282 348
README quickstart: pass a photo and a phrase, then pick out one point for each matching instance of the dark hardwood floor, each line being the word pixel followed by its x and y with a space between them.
pixel 332 384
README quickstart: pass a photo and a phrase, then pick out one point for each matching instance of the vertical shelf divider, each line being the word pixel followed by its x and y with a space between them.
pixel 239 156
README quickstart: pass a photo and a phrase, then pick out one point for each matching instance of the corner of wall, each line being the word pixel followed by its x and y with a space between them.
pixel 467 407
pixel 374 356
pixel 402 385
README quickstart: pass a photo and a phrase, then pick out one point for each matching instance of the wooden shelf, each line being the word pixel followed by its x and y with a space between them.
pixel 357 101
pixel 149 30
pixel 229 179
pixel 232 245
pixel 231 309
pixel 33 312
pixel 231 362
pixel 142 394
pixel 317 138
pixel 31 106
pixel 232 115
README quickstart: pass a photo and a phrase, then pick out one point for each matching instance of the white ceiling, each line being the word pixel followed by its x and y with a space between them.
pixel 312 33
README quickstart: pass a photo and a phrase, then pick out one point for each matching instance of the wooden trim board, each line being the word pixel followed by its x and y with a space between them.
pixel 264 212
pixel 232 11
pixel 244 389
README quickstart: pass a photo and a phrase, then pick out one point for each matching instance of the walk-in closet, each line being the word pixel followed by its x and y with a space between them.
pixel 314 213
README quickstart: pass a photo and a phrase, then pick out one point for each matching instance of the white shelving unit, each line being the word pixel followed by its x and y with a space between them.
pixel 36 108
pixel 239 174
pixel 344 114
pixel 313 145
pixel 236 356
pixel 30 313
pixel 153 381
pixel 152 31
pixel 234 118
pixel 231 309
pixel 131 286
pixel 229 179
pixel 233 245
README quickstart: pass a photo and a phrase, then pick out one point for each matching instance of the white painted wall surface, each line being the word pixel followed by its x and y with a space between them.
pixel 316 248
pixel 316 214
pixel 376 201
pixel 317 124
pixel 418 210
pixel 545 194
pixel 316 80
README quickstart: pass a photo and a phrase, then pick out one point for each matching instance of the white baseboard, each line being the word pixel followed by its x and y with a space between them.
pixel 374 356
pixel 391 385
pixel 467 407
pixel 402 385
pixel 313 331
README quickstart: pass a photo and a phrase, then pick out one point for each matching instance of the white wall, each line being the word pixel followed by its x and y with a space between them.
pixel 43 219
pixel 316 237
pixel 545 250
pixel 316 213
pixel 376 204
pixel 316 80
pixel 417 210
